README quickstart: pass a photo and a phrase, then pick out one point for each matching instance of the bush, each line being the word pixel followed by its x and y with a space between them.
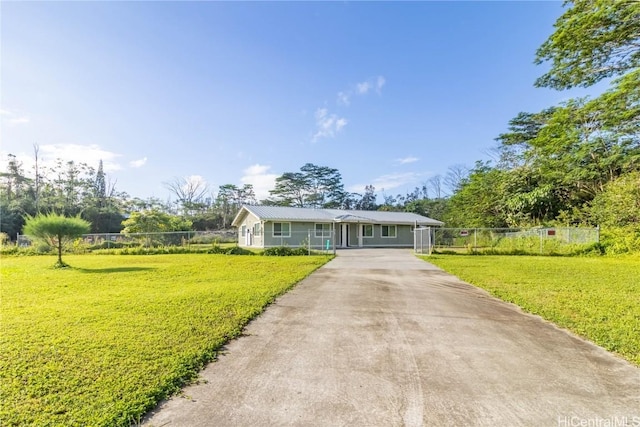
pixel 620 240
pixel 217 249
pixel 107 244
pixel 285 251
pixel 237 250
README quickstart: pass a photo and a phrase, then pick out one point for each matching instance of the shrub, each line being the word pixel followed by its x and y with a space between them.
pixel 285 251
pixel 237 250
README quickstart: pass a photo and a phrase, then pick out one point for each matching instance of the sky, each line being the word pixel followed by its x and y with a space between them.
pixel 389 93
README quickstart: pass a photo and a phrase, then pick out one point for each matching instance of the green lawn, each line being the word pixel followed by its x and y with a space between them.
pixel 597 298
pixel 101 343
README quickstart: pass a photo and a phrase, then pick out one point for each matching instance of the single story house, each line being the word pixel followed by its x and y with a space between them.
pixel 268 226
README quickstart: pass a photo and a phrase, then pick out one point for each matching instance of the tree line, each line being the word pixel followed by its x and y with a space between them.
pixel 576 163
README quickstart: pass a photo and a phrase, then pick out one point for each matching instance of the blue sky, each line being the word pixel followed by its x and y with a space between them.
pixel 388 93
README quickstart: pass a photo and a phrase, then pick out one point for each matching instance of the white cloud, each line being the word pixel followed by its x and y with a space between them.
pixel 361 89
pixel 258 175
pixel 50 153
pixel 14 118
pixel 327 125
pixel 344 98
pixel 356 188
pixel 194 181
pixel 405 160
pixel 138 163
pixel 89 154
pixel 389 181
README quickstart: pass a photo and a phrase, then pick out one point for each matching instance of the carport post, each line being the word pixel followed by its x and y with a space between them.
pixel 333 225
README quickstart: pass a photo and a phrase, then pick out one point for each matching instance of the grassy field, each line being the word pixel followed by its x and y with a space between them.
pixel 597 298
pixel 101 343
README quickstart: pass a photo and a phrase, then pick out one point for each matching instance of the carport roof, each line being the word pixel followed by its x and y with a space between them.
pixel 280 213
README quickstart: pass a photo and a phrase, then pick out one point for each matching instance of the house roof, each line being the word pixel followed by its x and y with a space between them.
pixel 280 213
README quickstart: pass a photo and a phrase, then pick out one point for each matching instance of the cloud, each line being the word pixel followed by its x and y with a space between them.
pixel 361 89
pixel 344 98
pixel 14 118
pixel 49 154
pixel 327 125
pixel 259 177
pixel 138 163
pixel 405 160
pixel 195 182
pixel 388 182
pixel 356 188
pixel 89 154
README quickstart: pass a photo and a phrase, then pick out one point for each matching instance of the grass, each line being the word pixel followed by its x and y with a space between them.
pixel 102 342
pixel 597 298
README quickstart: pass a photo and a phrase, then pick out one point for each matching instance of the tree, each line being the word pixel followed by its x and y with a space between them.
pixel 154 221
pixel 15 180
pixel 100 186
pixel 480 200
pixel 189 192
pixel 435 183
pixel 619 204
pixel 454 178
pixel 55 230
pixel 432 208
pixel 617 210
pixel 313 187
pixel 231 198
pixel 368 200
pixel 593 40
pixel 38 177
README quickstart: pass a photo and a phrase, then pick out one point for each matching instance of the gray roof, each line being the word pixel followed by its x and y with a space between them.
pixel 280 213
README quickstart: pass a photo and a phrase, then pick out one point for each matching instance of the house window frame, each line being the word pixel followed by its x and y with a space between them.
pixel 362 231
pixel 325 231
pixel 243 230
pixel 273 229
pixel 257 229
pixel 389 236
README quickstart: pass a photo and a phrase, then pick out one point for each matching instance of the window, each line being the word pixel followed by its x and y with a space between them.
pixel 281 229
pixel 243 230
pixel 388 230
pixel 257 229
pixel 323 230
pixel 367 230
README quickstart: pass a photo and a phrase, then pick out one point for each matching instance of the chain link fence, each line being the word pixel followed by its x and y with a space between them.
pixel 321 239
pixel 172 238
pixel 541 240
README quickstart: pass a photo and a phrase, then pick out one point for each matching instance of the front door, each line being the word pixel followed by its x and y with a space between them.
pixel 344 235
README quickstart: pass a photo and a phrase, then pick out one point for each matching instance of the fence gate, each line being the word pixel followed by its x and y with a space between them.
pixel 423 240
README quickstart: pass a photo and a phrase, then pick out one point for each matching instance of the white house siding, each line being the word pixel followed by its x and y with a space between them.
pixel 255 240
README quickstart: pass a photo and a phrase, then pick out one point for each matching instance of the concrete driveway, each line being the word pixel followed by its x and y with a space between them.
pixel 380 338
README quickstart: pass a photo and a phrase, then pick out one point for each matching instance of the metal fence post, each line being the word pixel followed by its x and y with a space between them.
pixel 475 239
pixel 540 232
